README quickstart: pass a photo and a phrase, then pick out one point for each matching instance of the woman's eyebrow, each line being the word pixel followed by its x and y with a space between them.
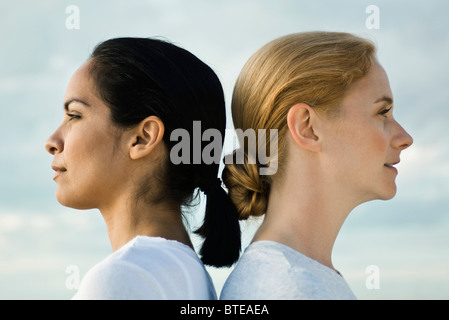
pixel 386 99
pixel 68 102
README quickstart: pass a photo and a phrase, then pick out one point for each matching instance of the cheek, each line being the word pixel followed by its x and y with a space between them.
pixel 366 135
pixel 89 159
pixel 80 151
pixel 85 147
pixel 359 146
pixel 378 140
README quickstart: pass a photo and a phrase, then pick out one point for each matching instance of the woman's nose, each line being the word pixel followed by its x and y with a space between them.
pixel 54 143
pixel 403 139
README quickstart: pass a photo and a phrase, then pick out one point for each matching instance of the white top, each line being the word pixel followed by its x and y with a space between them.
pixel 148 268
pixel 270 270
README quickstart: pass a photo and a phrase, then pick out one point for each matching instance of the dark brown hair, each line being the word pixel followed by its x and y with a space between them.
pixel 140 77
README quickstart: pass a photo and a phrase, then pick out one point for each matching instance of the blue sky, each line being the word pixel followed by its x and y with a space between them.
pixel 405 238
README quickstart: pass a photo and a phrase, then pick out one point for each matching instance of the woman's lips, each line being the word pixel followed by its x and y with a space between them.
pixel 58 171
pixel 391 166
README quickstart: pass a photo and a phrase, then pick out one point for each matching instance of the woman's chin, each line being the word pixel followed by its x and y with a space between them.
pixel 388 193
pixel 71 202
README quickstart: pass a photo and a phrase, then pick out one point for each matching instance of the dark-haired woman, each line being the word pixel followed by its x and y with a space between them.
pixel 112 152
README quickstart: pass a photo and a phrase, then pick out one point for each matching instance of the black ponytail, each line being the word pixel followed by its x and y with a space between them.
pixel 140 77
pixel 220 247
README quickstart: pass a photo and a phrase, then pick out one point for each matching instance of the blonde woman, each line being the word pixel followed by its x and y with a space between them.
pixel 338 144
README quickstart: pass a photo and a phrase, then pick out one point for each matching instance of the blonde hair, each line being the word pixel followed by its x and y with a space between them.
pixel 315 68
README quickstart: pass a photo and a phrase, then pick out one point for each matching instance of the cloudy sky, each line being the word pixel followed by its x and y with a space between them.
pixel 44 246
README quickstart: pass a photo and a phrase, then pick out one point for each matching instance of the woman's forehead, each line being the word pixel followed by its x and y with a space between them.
pixel 372 88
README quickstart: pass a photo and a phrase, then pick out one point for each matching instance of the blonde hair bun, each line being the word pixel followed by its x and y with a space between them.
pixel 247 189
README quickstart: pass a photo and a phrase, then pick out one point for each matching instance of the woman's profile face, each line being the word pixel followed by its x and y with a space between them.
pixel 86 162
pixel 365 141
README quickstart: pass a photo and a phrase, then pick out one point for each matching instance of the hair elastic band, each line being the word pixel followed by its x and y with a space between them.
pixel 211 186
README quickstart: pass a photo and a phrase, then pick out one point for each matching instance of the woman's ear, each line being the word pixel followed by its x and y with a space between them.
pixel 145 137
pixel 302 122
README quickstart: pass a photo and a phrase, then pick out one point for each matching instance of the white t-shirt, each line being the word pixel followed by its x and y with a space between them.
pixel 272 271
pixel 148 268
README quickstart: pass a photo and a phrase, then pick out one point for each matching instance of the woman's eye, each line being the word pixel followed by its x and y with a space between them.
pixel 73 116
pixel 385 111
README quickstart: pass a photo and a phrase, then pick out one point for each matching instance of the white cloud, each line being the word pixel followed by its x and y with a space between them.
pixel 11 223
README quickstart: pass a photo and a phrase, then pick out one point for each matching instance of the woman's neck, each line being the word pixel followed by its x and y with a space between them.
pixel 125 221
pixel 305 216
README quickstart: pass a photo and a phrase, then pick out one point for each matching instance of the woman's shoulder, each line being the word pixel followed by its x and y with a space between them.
pixel 270 270
pixel 153 251
pixel 149 255
pixel 145 268
pixel 115 278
